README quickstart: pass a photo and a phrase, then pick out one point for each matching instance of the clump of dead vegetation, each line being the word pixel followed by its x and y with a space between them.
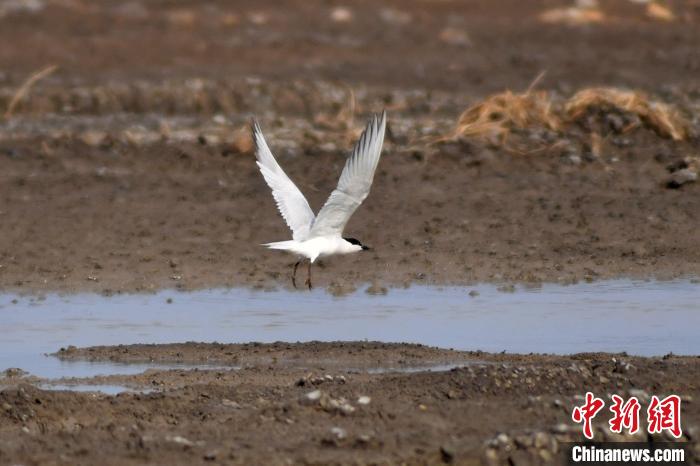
pixel 343 119
pixel 499 115
pixel 661 117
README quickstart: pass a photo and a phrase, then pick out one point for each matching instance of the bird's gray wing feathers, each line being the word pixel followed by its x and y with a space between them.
pixel 355 181
pixel 290 201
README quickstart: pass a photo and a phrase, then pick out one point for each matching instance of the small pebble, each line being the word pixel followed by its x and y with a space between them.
pixel 681 177
pixel 447 453
pixel 341 15
pixel 339 433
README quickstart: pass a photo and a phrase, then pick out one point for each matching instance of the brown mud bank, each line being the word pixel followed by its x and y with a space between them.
pixel 126 169
pixel 128 217
pixel 321 403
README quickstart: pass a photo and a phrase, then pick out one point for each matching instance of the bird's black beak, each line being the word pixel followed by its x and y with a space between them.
pixel 365 248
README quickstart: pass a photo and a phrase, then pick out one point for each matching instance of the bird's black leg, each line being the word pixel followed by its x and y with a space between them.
pixel 294 274
pixel 308 275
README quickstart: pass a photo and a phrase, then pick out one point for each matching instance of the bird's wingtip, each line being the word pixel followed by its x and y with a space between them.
pixel 255 131
pixel 254 126
pixel 379 119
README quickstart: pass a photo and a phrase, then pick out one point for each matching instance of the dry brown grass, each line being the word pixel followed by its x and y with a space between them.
pixel 343 120
pixel 498 115
pixel 661 117
pixel 26 87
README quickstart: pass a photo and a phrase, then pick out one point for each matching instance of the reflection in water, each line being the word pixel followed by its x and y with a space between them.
pixel 645 318
pixel 106 389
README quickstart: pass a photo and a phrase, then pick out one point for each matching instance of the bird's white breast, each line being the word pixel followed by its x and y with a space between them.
pixel 325 246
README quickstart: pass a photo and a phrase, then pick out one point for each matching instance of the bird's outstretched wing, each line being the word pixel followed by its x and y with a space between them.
pixel 290 201
pixel 355 181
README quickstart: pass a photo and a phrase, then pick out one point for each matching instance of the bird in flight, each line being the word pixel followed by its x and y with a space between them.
pixel 322 235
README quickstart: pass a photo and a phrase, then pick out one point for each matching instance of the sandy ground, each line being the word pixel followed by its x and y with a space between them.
pixel 129 169
pixel 494 408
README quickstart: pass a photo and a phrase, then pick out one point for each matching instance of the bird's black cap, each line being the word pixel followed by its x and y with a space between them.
pixel 357 242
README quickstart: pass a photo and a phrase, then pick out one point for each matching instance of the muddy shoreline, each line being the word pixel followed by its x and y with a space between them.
pixel 493 407
pixel 142 217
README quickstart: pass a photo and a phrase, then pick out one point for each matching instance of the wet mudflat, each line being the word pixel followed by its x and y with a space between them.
pixel 319 402
pixel 145 218
pixel 298 403
pixel 648 318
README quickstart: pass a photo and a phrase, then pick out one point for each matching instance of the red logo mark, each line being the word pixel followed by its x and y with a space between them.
pixel 587 412
pixel 665 415
pixel 625 415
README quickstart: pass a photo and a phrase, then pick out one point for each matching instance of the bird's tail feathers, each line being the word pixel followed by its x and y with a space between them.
pixel 284 245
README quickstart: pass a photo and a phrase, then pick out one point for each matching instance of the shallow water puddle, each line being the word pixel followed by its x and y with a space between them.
pixel 640 317
pixel 98 388
pixel 414 369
